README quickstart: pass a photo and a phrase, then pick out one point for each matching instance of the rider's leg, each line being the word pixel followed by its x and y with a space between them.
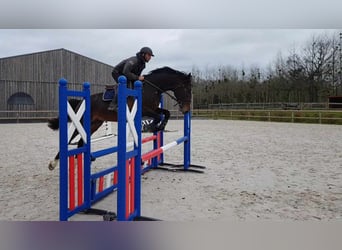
pixel 113 104
pixel 130 85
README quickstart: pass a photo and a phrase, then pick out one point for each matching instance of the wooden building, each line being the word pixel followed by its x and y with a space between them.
pixel 29 83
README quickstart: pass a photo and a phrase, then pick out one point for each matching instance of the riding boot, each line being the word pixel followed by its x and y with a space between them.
pixel 112 106
pixel 130 85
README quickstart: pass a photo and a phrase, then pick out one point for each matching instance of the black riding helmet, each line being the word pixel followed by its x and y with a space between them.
pixel 146 50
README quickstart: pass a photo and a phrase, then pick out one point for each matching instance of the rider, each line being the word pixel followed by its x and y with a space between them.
pixel 131 68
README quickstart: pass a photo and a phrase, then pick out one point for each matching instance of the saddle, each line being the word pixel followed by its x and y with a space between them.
pixel 110 92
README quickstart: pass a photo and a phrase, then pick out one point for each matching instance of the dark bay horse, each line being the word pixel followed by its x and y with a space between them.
pixel 156 82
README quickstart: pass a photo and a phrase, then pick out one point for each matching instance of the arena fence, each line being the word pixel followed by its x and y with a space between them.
pixel 300 116
pixel 321 113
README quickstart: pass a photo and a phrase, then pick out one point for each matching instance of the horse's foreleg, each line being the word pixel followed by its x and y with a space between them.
pixel 154 125
pixel 166 114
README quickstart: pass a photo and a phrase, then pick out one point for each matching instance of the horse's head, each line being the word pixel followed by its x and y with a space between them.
pixel 178 82
pixel 183 93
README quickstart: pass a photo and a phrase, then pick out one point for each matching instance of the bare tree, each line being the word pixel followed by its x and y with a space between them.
pixel 309 73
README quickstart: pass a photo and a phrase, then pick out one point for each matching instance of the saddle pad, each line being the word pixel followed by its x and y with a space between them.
pixel 108 95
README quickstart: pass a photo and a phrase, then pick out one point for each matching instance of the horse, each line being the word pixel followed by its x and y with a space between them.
pixel 156 82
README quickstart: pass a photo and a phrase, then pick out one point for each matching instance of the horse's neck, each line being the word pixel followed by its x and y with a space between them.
pixel 162 85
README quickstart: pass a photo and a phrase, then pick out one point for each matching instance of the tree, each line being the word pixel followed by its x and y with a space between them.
pixel 309 73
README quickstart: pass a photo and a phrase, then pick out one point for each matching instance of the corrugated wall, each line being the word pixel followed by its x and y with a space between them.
pixel 37 75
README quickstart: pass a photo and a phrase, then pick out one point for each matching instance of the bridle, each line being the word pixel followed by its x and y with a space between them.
pixel 180 103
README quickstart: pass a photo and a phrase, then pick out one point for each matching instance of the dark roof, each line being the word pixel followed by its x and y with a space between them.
pixel 54 50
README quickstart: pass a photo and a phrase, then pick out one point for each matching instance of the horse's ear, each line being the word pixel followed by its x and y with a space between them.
pixel 189 75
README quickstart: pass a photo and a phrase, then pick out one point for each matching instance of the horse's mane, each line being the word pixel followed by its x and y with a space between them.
pixel 166 69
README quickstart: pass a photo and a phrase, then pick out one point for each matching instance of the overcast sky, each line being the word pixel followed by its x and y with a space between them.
pixel 181 33
pixel 178 48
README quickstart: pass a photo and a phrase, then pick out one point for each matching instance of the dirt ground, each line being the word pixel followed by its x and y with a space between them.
pixel 254 171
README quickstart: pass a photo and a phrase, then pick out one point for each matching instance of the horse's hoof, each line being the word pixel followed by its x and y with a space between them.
pixel 52 165
pixel 155 130
pixel 150 128
pixel 159 128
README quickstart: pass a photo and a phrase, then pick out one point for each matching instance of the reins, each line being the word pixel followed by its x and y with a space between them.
pixel 162 91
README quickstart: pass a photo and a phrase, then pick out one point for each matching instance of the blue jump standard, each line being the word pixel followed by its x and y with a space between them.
pixel 79 191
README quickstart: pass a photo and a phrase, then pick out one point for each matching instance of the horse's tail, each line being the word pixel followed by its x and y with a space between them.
pixel 53 123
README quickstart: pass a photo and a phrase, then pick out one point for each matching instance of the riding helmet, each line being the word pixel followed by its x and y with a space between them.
pixel 146 50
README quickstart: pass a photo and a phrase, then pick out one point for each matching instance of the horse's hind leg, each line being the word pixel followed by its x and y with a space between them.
pixel 93 127
pixel 75 103
pixel 54 162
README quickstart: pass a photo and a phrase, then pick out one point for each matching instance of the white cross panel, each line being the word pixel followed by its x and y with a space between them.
pixel 130 122
pixel 75 121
